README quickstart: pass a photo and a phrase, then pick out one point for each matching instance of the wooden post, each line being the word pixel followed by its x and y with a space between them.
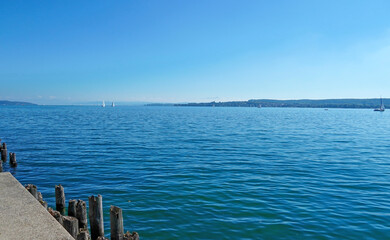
pixel 96 216
pixel 71 224
pixel 12 159
pixel 56 215
pixel 72 208
pixel 116 222
pixel 4 153
pixel 81 214
pixel 44 203
pixel 1 155
pixel 60 199
pixel 40 198
pixel 131 236
pixel 1 162
pixel 32 189
pixel 83 235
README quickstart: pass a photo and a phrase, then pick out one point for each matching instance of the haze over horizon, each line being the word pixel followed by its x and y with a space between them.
pixel 193 51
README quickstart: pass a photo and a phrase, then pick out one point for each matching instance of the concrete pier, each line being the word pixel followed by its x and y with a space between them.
pixel 23 217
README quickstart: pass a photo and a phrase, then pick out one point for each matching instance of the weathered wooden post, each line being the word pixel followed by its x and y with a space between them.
pixel 72 208
pixel 83 235
pixel 40 198
pixel 56 214
pixel 116 222
pixel 102 238
pixel 44 204
pixel 12 159
pixel 81 214
pixel 131 236
pixel 4 153
pixel 60 199
pixel 32 189
pixel 71 224
pixel 96 216
pixel 1 162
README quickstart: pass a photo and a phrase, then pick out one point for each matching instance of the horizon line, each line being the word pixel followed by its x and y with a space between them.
pixel 137 103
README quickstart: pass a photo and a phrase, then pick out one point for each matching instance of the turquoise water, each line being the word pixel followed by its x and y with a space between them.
pixel 213 173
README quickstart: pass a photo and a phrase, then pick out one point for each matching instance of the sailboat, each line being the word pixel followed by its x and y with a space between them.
pixel 112 104
pixel 103 104
pixel 382 108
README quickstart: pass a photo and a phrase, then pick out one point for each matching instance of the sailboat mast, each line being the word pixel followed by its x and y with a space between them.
pixel 382 105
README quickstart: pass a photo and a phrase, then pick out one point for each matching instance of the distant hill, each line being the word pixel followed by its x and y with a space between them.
pixel 301 103
pixel 13 103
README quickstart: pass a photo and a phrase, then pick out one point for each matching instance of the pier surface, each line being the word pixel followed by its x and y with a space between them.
pixel 23 217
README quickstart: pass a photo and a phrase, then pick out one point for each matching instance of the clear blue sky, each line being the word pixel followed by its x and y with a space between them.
pixel 178 51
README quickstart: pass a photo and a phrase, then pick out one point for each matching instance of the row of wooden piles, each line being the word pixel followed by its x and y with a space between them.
pixel 76 222
pixel 3 153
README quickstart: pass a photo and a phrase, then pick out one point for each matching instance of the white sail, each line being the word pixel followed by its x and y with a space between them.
pixel 103 104
pixel 112 105
pixel 382 105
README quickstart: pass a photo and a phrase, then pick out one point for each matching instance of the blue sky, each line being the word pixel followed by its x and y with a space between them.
pixel 181 51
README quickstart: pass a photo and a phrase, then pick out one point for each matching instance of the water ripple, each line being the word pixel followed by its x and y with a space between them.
pixel 213 173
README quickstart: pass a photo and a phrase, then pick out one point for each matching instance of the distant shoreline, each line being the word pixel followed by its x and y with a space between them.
pixel 16 103
pixel 366 103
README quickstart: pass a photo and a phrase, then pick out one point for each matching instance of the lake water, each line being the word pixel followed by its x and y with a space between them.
pixel 213 173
